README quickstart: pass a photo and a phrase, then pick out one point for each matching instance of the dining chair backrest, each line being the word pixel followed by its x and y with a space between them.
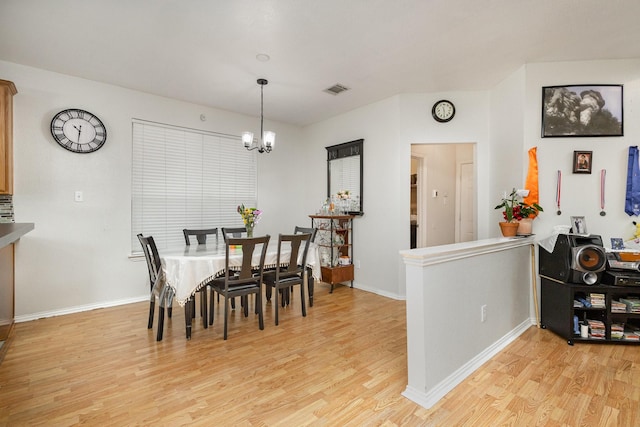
pixel 247 273
pixel 158 288
pixel 201 235
pixel 234 232
pixel 151 255
pixel 309 230
pixel 299 243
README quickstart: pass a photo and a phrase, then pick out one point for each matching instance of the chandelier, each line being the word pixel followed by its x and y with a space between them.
pixel 268 138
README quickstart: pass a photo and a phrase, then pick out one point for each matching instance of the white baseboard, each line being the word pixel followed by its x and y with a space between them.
pixel 381 293
pixel 431 397
pixel 105 304
pixel 79 308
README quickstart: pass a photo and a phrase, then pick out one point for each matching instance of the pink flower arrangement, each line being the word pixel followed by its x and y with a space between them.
pixel 515 210
pixel 250 216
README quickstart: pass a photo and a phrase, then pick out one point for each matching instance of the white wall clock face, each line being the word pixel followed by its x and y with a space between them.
pixel 78 131
pixel 443 111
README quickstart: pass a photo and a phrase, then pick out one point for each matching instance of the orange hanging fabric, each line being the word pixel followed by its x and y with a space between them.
pixel 532 178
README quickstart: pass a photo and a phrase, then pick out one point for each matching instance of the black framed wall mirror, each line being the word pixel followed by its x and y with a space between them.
pixel 344 175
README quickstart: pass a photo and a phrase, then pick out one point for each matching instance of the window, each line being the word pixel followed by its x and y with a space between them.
pixel 185 178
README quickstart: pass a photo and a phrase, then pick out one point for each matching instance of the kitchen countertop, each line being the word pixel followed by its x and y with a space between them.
pixel 10 232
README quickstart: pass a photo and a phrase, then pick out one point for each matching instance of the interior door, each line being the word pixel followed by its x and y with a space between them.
pixel 466 205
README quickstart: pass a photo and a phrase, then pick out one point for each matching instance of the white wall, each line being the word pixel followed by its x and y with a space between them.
pixel 447 286
pixel 389 127
pixel 77 256
pixel 470 126
pixel 508 151
pixel 504 123
pixel 581 192
pixel 377 235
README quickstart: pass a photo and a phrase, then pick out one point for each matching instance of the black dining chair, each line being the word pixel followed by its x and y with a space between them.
pixel 201 235
pixel 310 279
pixel 233 232
pixel 243 281
pixel 227 232
pixel 306 230
pixel 158 287
pixel 283 278
pixel 310 282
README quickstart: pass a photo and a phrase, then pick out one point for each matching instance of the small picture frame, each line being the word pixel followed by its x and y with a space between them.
pixel 578 225
pixel 582 161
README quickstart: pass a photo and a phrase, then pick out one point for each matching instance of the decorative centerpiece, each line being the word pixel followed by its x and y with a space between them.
pixel 250 217
pixel 343 197
pixel 517 214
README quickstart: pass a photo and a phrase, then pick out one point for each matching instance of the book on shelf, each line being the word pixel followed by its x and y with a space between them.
pixel 597 324
pixel 597 300
pixel 633 304
pixel 596 329
pixel 618 307
pixel 617 331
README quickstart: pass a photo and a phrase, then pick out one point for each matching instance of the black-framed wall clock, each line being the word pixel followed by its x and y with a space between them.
pixel 443 111
pixel 78 130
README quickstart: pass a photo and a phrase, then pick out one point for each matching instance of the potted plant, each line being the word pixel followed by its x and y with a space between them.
pixel 517 214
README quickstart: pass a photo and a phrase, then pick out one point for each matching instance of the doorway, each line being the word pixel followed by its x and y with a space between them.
pixel 416 166
pixel 443 188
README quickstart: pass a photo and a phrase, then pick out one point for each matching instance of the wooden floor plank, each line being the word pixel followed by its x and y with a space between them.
pixel 343 364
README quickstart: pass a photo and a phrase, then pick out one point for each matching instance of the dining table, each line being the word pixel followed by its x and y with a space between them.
pixel 189 268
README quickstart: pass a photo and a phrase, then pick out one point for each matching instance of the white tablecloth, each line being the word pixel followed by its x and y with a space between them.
pixel 188 268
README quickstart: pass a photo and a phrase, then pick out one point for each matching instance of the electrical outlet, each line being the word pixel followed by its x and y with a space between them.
pixel 483 313
pixel 78 196
pixel 357 263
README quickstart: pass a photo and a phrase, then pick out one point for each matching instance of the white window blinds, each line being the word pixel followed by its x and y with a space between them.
pixel 185 178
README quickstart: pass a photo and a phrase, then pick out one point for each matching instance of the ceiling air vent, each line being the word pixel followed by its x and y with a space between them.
pixel 336 89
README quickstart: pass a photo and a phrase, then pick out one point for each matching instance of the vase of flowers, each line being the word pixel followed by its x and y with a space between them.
pixel 250 217
pixel 517 214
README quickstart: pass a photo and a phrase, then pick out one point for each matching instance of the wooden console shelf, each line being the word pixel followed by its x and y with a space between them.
pixel 339 274
pixel 334 239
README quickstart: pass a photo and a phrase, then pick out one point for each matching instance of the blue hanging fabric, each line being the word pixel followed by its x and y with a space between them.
pixel 632 199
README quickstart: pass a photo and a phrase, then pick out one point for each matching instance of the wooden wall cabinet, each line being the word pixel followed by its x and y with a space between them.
pixel 7 90
pixel 334 239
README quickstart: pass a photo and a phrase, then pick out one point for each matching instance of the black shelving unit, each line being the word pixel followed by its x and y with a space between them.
pixel 558 311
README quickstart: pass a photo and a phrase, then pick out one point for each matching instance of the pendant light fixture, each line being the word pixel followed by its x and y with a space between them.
pixel 268 138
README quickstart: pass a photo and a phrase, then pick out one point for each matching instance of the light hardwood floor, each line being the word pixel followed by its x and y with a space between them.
pixel 344 364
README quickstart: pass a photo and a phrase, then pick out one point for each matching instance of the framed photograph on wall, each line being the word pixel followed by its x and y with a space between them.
pixel 582 110
pixel 578 225
pixel 582 161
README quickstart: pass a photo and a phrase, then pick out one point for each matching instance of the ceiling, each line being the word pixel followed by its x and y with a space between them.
pixel 204 51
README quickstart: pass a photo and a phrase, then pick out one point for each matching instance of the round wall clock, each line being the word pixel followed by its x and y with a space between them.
pixel 78 130
pixel 443 111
